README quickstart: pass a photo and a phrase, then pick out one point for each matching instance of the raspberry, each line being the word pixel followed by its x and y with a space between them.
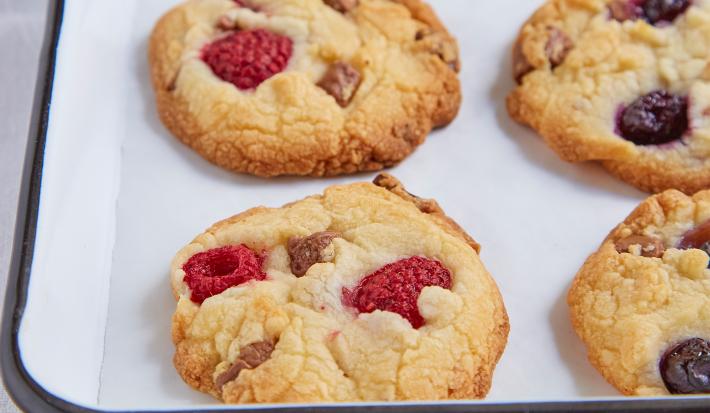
pixel 211 272
pixel 247 58
pixel 685 368
pixel 396 288
pixel 654 119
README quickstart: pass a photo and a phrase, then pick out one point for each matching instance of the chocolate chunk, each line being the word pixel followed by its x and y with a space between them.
pixel 685 368
pixel 427 206
pixel 521 64
pixel 650 246
pixel 341 81
pixel 622 10
pixel 440 43
pixel 342 6
pixel 306 251
pixel 698 237
pixel 390 183
pixel 250 357
pixel 557 47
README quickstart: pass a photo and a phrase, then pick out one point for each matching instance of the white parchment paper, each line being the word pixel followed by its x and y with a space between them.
pixel 536 217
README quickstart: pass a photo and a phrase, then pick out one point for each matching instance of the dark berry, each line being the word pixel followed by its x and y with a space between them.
pixel 698 237
pixel 655 11
pixel 396 288
pixel 247 58
pixel 211 272
pixel 654 119
pixel 685 368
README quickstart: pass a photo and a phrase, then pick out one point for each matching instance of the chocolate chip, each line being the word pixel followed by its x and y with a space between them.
pixel 256 353
pixel 250 357
pixel 393 185
pixel 698 238
pixel 172 85
pixel 685 368
pixel 342 6
pixel 521 64
pixel 622 10
pixel 440 43
pixel 557 47
pixel 306 251
pixel 650 246
pixel 231 373
pixel 341 81
pixel 427 206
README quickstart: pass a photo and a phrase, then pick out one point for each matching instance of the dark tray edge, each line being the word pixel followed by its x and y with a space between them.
pixel 31 397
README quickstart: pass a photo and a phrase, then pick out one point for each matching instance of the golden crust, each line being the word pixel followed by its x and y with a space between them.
pixel 574 105
pixel 289 126
pixel 323 352
pixel 629 309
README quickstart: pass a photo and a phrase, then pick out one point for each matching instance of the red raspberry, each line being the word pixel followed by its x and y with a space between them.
pixel 247 58
pixel 211 272
pixel 396 288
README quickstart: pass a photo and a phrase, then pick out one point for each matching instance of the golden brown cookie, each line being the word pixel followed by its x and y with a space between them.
pixel 641 303
pixel 622 82
pixel 363 293
pixel 304 87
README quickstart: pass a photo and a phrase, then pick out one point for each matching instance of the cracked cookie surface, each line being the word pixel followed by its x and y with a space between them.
pixel 297 338
pixel 303 87
pixel 590 74
pixel 641 303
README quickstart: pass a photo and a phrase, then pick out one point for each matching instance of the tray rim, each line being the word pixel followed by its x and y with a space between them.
pixel 31 396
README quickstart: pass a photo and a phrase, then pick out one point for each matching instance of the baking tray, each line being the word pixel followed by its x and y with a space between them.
pixel 108 196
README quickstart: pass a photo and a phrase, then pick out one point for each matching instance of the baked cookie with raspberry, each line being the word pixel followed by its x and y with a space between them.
pixel 641 303
pixel 304 87
pixel 363 293
pixel 622 82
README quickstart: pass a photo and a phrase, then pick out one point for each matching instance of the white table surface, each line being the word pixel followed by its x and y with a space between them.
pixel 22 24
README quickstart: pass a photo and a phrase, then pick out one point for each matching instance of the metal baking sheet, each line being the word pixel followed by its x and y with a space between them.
pixel 109 196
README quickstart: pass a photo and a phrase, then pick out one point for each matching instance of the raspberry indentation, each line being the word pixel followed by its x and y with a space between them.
pixel 211 272
pixel 396 288
pixel 685 368
pixel 654 119
pixel 247 58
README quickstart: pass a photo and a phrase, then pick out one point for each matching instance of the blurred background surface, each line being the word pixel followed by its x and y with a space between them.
pixel 22 25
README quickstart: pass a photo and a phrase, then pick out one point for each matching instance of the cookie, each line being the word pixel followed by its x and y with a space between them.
pixel 622 82
pixel 304 87
pixel 641 303
pixel 363 293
